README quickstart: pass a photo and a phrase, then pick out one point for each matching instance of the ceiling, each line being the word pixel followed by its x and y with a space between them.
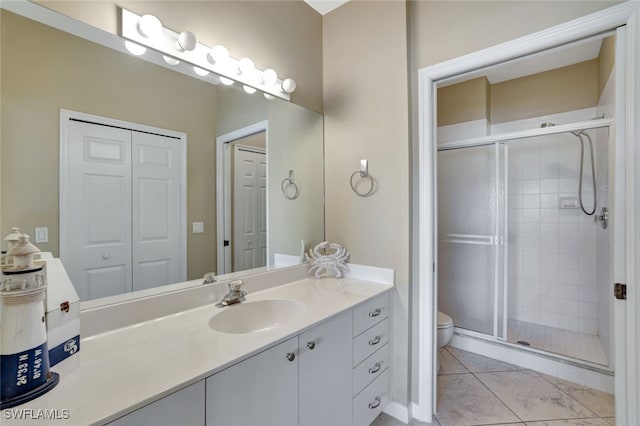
pixel 325 6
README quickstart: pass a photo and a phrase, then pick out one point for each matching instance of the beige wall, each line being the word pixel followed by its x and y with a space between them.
pixel 564 89
pixel 236 111
pixel 367 117
pixel 606 61
pixel 284 35
pixel 44 70
pixel 464 101
pixel 442 30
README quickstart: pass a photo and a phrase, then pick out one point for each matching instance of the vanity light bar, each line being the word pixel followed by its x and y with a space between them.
pixel 184 47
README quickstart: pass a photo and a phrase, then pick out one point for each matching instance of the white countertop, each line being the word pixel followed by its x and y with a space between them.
pixel 122 370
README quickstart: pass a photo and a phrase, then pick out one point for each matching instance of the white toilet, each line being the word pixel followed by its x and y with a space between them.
pixel 445 332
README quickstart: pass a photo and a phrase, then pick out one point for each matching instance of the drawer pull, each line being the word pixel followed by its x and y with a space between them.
pixel 375 341
pixel 311 345
pixel 376 404
pixel 291 356
pixel 375 368
pixel 375 313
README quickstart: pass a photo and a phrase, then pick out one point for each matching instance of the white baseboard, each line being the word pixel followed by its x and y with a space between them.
pixel 398 411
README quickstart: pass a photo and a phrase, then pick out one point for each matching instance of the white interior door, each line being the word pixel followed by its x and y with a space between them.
pixel 156 230
pixel 249 209
pixel 97 251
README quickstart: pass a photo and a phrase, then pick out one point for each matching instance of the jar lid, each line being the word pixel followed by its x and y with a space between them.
pixel 14 235
pixel 24 247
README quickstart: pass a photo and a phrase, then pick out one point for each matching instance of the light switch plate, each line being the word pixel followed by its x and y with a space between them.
pixel 42 235
pixel 198 227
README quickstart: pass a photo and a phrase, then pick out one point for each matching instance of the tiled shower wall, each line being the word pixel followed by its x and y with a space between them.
pixel 552 251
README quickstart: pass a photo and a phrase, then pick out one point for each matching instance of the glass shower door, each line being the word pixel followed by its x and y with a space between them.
pixel 468 205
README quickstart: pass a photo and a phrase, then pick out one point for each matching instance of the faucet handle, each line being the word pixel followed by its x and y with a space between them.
pixel 236 285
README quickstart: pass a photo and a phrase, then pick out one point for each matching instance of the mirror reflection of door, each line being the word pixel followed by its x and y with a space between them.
pixel 121 229
pixel 248 203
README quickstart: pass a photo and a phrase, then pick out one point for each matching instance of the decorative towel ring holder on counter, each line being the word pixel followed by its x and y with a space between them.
pixel 364 174
pixel 286 185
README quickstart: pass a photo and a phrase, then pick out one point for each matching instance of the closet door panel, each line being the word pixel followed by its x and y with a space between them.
pixel 95 240
pixel 156 227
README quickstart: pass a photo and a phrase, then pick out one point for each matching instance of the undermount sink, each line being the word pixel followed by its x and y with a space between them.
pixel 253 317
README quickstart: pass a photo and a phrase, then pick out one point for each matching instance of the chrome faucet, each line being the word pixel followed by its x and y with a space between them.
pixel 235 295
pixel 209 278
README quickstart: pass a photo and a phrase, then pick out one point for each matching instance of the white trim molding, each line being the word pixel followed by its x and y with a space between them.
pixel 398 411
pixel 223 208
pixel 606 20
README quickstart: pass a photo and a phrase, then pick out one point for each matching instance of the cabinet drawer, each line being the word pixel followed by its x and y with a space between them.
pixel 371 401
pixel 370 313
pixel 370 341
pixel 370 368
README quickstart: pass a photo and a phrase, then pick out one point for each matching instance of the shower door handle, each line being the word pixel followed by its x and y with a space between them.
pixel 474 239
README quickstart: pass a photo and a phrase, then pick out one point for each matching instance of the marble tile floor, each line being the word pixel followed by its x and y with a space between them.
pixel 474 390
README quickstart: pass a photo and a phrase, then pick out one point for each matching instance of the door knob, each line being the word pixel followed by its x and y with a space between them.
pixel 311 345
pixel 291 356
pixel 106 256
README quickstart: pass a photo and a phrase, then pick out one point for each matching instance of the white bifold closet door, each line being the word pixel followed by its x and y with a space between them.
pixel 123 230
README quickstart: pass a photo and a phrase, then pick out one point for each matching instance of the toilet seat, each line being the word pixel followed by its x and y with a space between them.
pixel 444 321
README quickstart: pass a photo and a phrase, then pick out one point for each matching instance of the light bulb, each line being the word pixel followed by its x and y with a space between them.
pixel 226 81
pixel 187 41
pixel 245 66
pixel 289 85
pixel 269 97
pixel 269 76
pixel 149 26
pixel 170 60
pixel 218 53
pixel 250 90
pixel 201 72
pixel 134 48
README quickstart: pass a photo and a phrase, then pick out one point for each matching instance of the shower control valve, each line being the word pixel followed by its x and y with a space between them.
pixel 603 218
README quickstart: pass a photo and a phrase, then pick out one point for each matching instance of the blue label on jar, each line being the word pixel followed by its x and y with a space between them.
pixel 23 371
pixel 64 350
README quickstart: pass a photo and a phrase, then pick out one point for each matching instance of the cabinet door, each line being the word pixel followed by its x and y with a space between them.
pixel 185 408
pixel 262 390
pixel 326 374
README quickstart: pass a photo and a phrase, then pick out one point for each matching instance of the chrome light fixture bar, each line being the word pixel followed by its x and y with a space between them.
pixel 147 31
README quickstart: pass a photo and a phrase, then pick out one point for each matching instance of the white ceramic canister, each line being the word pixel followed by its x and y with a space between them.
pixel 24 357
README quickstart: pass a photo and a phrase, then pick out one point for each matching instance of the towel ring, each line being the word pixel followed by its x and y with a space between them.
pixel 286 184
pixel 364 173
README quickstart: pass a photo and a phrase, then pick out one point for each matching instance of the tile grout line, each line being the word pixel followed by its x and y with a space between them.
pixel 569 396
pixel 492 393
pixel 595 415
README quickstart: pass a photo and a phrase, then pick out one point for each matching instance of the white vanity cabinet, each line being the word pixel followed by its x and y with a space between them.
pixel 333 374
pixel 262 390
pixel 305 381
pixel 325 373
pixel 184 407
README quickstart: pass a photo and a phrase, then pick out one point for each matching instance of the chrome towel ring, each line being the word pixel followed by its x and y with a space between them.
pixel 288 185
pixel 364 174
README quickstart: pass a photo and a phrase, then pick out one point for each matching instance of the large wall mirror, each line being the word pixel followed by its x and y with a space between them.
pixel 250 193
